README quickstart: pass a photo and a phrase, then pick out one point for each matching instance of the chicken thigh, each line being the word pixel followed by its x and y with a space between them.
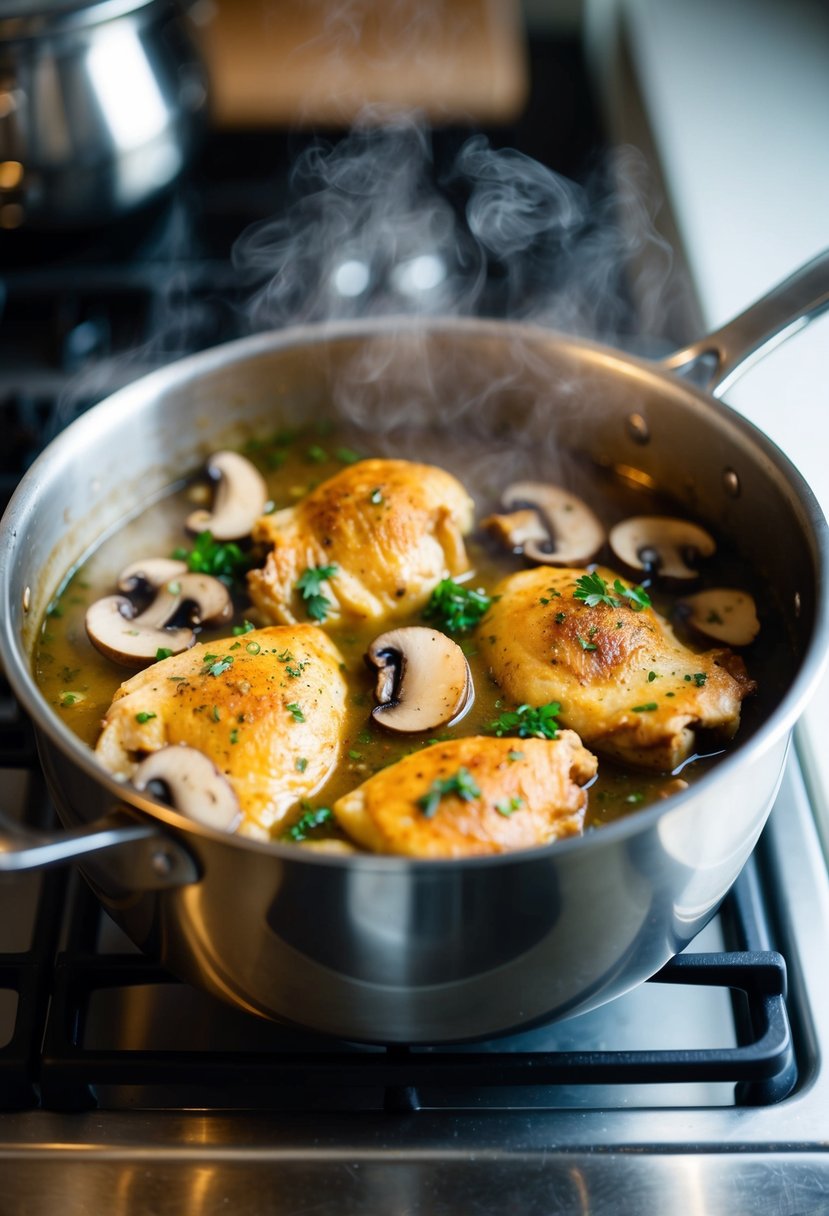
pixel 370 542
pixel 267 708
pixel 625 683
pixel 472 796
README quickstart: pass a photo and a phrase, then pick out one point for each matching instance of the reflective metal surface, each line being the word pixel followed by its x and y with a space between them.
pixel 99 105
pixel 401 951
pixel 605 1155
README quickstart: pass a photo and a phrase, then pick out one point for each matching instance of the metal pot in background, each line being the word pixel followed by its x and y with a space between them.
pixel 101 105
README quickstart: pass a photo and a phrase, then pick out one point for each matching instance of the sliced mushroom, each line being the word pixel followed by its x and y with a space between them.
pixel 238 502
pixel 188 781
pixel 116 629
pixel 151 573
pixel 548 524
pixel 423 679
pixel 722 613
pixel 661 544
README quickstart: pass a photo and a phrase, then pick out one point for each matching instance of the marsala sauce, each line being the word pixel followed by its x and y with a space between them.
pixel 80 683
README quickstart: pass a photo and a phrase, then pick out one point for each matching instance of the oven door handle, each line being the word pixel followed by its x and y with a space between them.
pixel 137 855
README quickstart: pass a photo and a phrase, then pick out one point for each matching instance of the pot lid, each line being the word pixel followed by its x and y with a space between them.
pixel 19 19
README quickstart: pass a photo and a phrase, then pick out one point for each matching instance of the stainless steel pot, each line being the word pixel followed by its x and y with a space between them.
pixel 384 948
pixel 100 106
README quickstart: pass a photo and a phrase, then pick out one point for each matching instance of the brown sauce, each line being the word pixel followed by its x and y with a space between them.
pixel 80 683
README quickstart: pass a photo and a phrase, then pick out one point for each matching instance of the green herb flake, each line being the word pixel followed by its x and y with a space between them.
pixel 294 671
pixel 163 652
pixel 144 716
pixel 347 456
pixel 512 756
pixel 234 735
pixel 311 819
pixel 636 796
pixel 699 678
pixel 528 721
pixel 455 608
pixel 652 676
pixel 245 627
pixel 637 597
pixel 585 645
pixel 309 583
pixel 68 699
pixel 352 755
pixel 508 806
pixel 315 454
pixel 220 665
pixel 560 618
pixel 300 764
pixel 645 709
pixel 462 784
pixel 295 711
pixel 593 590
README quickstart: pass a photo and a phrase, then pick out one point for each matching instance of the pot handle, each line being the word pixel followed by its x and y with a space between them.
pixel 139 856
pixel 715 361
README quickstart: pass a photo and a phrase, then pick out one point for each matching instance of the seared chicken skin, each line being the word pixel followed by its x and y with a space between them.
pixel 267 707
pixel 472 796
pixel 625 683
pixel 391 530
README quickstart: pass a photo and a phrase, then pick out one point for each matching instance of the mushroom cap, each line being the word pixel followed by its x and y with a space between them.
pixel 661 543
pixel 115 630
pixel 423 679
pixel 239 499
pixel 150 572
pixel 569 532
pixel 723 613
pixel 193 786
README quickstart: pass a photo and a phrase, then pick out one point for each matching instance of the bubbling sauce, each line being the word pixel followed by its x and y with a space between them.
pixel 79 682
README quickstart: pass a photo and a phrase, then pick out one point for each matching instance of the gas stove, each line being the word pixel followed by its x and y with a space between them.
pixel 123 1089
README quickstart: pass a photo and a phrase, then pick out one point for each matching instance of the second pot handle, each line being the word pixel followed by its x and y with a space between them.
pixel 140 857
pixel 718 359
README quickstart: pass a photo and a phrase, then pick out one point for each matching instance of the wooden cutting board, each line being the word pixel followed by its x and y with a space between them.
pixel 330 62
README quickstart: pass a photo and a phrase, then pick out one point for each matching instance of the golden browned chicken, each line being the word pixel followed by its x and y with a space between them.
pixel 370 542
pixel 472 796
pixel 625 683
pixel 267 708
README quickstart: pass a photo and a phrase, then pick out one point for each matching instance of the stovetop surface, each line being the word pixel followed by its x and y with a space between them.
pixel 123 1090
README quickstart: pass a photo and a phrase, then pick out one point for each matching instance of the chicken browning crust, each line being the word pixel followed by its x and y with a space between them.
pixel 625 683
pixel 501 794
pixel 267 707
pixel 392 528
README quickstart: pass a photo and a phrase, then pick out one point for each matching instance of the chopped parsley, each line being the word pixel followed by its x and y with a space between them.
pixel 143 717
pixel 462 784
pixel 294 671
pixel 528 721
pixel 560 618
pixel 585 645
pixel 593 590
pixel 163 652
pixel 71 698
pixel 309 583
pixel 456 608
pixel 214 666
pixel 300 764
pixel 509 805
pixel 311 819
pixel 223 559
pixel 245 627
pixel 645 709
pixel 347 456
pixel 295 711
pixel 315 454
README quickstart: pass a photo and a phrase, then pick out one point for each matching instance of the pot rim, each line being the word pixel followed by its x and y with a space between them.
pixel 63 16
pixel 16 662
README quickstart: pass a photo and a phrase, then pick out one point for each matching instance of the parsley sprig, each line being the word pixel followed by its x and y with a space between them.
pixel 455 608
pixel 223 559
pixel 462 783
pixel 593 590
pixel 528 721
pixel 309 583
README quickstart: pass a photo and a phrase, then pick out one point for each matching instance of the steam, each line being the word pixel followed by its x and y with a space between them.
pixel 375 224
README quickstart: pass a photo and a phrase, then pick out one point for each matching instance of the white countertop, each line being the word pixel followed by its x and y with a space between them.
pixel 737 97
